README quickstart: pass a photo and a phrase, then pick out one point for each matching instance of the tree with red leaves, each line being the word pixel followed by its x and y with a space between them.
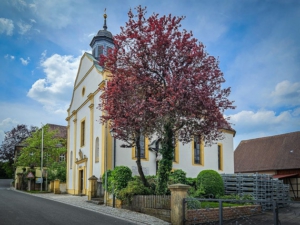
pixel 163 83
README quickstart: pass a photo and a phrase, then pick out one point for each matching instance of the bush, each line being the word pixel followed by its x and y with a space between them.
pixel 117 179
pixel 177 177
pixel 152 181
pixel 210 184
pixel 191 182
pixel 134 187
pixel 109 187
pixel 193 203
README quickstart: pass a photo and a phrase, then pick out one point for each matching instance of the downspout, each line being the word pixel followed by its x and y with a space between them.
pixel 114 197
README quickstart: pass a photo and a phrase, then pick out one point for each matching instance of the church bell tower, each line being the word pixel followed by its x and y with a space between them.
pixel 102 42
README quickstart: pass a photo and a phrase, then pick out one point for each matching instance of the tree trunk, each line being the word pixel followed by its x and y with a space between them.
pixel 165 164
pixel 138 161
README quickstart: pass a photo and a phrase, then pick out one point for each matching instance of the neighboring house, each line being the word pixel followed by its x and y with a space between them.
pixel 91 148
pixel 277 155
pixel 61 133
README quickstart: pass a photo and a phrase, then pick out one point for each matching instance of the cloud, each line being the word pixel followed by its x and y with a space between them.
pixel 12 114
pixel 286 93
pixel 55 13
pixel 32 21
pixel 6 26
pixel 251 124
pixel 55 90
pixel 7 56
pixel 23 27
pixel 25 61
pixel 19 4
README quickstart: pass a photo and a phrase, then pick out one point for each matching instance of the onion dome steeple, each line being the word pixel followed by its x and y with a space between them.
pixel 103 41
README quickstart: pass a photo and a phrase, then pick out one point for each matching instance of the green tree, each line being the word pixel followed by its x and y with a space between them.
pixel 58 170
pixel 52 148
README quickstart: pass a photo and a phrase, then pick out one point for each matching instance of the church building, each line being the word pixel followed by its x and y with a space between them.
pixel 91 148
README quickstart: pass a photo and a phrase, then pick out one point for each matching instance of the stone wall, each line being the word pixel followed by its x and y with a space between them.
pixel 212 215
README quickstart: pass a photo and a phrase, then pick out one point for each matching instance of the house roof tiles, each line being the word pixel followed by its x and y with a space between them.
pixel 277 152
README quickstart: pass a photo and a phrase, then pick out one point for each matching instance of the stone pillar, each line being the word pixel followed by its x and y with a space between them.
pixel 56 186
pixel 92 193
pixel 51 186
pixel 18 182
pixel 178 193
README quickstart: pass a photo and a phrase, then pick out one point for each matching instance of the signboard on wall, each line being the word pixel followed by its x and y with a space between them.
pixel 39 180
pixel 135 171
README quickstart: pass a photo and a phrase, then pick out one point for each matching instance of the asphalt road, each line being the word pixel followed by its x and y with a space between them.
pixel 18 208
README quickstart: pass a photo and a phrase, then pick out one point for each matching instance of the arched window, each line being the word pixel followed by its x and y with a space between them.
pixel 97 150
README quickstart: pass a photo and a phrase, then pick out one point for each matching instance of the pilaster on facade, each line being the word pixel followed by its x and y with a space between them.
pixel 91 106
pixel 91 97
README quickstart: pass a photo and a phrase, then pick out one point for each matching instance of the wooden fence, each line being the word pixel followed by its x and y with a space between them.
pixel 154 205
pixel 152 201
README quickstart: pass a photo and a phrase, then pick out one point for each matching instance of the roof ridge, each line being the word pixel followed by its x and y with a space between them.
pixel 276 135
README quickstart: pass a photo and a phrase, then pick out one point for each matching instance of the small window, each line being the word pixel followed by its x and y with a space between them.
pixel 100 50
pixel 82 133
pixel 198 151
pixel 83 91
pixel 62 157
pixel 142 146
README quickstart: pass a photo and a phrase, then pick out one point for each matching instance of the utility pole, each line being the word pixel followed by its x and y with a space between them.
pixel 42 158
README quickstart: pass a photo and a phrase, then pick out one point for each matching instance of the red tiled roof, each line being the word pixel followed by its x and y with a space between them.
pixel 277 152
pixel 61 130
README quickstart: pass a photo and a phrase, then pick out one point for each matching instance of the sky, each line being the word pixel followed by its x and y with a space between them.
pixel 256 41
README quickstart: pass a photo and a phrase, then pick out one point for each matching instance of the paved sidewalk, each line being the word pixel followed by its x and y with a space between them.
pixel 81 202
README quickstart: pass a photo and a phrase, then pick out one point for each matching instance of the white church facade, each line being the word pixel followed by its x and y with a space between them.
pixel 91 148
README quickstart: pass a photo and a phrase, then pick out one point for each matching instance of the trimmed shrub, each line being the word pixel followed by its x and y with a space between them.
pixel 209 184
pixel 119 179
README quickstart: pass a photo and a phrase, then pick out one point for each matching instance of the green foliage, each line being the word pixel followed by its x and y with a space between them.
pixel 178 177
pixel 191 181
pixel 6 170
pixel 109 179
pixel 193 203
pixel 118 179
pixel 52 148
pixel 152 181
pixel 165 164
pixel 209 184
pixel 58 170
pixel 134 187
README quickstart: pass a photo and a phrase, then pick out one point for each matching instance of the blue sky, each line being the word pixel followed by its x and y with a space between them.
pixel 257 43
